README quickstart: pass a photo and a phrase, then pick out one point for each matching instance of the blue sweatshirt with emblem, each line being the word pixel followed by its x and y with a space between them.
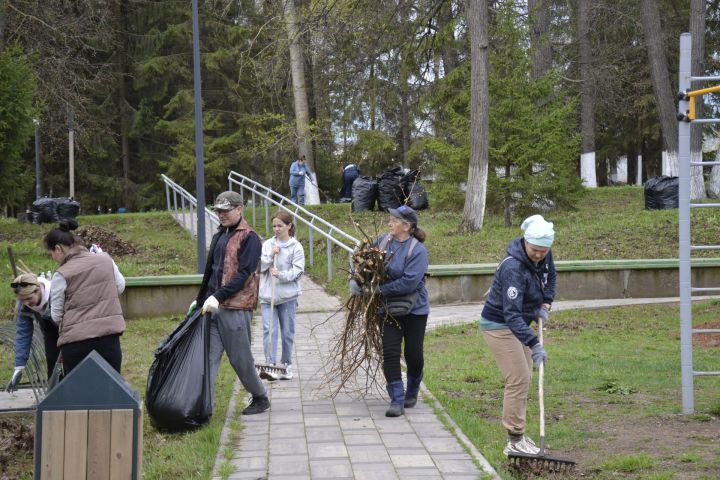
pixel 519 288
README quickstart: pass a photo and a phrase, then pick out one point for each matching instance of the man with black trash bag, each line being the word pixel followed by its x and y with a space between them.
pixel 229 292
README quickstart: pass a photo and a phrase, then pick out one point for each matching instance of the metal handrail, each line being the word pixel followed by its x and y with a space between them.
pixel 299 213
pixel 210 216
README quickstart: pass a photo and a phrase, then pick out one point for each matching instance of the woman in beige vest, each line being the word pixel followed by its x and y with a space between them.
pixel 84 299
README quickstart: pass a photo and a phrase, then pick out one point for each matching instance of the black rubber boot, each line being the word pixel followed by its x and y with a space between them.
pixel 413 387
pixel 396 390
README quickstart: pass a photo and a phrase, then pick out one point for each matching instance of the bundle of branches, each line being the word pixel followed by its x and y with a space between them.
pixel 356 352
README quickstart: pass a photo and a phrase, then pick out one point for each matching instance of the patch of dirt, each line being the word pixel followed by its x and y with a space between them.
pixel 107 240
pixel 17 435
pixel 711 340
pixel 670 440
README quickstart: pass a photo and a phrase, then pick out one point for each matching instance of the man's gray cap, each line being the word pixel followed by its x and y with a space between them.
pixel 228 200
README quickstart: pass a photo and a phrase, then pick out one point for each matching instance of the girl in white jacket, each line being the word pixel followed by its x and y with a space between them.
pixel 289 268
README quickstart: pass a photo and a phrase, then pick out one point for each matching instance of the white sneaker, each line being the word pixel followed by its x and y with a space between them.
pixel 288 375
pixel 525 445
pixel 268 375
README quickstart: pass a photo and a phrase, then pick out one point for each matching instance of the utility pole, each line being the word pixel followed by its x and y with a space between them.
pixel 71 151
pixel 38 166
pixel 199 159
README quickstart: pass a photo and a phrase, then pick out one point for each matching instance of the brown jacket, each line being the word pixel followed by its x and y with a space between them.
pixel 247 297
pixel 92 306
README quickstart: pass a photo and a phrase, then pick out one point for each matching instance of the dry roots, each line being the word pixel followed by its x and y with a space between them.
pixel 356 352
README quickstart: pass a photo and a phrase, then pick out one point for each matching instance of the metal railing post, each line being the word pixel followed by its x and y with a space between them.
pixel 329 256
pixel 267 218
pixel 253 201
pixel 182 209
pixel 311 247
pixel 167 195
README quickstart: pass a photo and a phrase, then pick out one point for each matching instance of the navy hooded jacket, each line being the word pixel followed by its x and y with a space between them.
pixel 519 288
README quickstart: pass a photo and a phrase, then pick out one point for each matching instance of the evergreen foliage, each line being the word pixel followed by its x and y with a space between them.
pixel 17 112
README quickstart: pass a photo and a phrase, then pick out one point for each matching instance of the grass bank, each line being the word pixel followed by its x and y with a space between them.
pixel 608 223
pixel 612 393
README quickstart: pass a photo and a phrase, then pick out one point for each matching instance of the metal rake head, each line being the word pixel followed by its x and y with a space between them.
pixel 540 463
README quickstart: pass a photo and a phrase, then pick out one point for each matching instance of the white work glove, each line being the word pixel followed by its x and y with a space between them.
pixel 15 380
pixel 211 305
pixel 191 308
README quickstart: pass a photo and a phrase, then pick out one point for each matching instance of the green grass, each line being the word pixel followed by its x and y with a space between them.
pixel 611 374
pixel 608 223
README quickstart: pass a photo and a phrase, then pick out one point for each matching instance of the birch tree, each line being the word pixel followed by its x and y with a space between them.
pixel 587 97
pixel 300 96
pixel 697 31
pixel 475 197
pixel 664 97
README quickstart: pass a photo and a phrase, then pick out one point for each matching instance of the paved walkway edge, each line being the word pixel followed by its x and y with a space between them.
pixel 459 434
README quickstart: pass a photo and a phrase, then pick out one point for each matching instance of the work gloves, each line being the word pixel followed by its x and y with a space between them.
pixel 539 355
pixel 192 308
pixel 358 290
pixel 15 380
pixel 211 305
pixel 355 288
pixel 542 313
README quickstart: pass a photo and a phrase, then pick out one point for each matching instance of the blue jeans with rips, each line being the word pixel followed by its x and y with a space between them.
pixel 283 322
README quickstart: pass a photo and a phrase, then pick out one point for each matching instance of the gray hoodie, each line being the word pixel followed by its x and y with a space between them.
pixel 291 265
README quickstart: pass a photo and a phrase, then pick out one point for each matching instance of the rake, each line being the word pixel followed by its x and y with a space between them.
pixel 541 461
pixel 266 369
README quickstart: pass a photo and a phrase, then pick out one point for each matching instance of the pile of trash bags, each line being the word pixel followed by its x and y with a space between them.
pixel 392 188
pixel 178 395
pixel 661 193
pixel 53 210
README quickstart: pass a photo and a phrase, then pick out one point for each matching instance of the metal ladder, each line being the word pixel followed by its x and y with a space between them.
pixel 687 119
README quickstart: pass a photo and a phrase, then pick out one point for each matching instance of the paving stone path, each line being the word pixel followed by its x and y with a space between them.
pixel 308 434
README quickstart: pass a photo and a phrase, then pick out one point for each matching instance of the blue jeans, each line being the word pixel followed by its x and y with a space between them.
pixel 284 315
pixel 297 194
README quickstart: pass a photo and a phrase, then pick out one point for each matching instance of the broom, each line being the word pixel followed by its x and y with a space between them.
pixel 541 461
pixel 265 369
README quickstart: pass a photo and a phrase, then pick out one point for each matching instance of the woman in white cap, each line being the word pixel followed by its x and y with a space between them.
pixel 522 291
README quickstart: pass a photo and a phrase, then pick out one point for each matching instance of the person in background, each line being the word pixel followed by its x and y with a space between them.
pixel 229 292
pixel 298 171
pixel 349 173
pixel 523 290
pixel 84 299
pixel 33 295
pixel 288 255
pixel 406 263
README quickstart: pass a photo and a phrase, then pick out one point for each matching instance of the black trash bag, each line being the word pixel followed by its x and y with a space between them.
pixel 414 193
pixel 364 193
pixel 67 208
pixel 44 210
pixel 390 193
pixel 417 197
pixel 177 396
pixel 661 193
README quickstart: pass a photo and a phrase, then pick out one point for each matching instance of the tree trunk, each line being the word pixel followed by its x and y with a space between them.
pixel 697 31
pixel 587 97
pixel 664 97
pixel 404 120
pixel 302 110
pixel 448 52
pixel 475 197
pixel 3 22
pixel 714 183
pixel 539 11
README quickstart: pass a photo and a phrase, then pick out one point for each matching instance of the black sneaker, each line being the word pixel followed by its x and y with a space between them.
pixel 257 405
